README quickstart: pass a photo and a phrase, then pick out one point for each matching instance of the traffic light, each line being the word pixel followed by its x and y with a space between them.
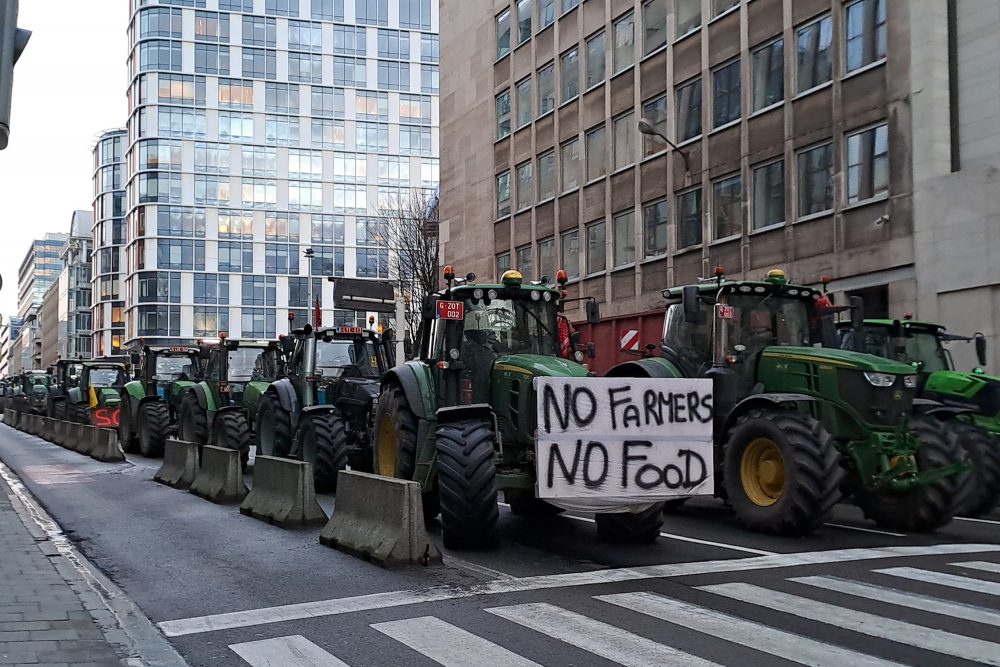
pixel 12 43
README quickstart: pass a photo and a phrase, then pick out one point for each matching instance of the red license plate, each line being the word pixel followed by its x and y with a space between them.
pixel 451 310
pixel 727 312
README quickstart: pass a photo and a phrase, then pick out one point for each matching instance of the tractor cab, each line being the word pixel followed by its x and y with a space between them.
pixel 164 366
pixel 34 391
pixel 920 344
pixel 96 398
pixel 233 366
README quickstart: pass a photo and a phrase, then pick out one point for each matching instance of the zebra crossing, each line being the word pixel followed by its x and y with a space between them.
pixel 603 631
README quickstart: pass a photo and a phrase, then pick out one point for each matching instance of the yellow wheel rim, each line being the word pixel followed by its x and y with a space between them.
pixel 762 471
pixel 388 442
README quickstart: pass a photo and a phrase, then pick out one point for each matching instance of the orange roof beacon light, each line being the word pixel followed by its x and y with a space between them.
pixel 720 270
pixel 371 320
pixel 223 335
pixel 291 317
pixel 449 273
pixel 907 317
pixel 562 277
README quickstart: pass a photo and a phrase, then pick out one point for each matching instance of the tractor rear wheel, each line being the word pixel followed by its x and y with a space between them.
pixel 154 420
pixel 127 434
pixel 928 507
pixel 59 409
pixel 79 413
pixel 233 432
pixel 394 446
pixel 982 484
pixel 274 428
pixel 781 472
pixel 467 484
pixel 322 441
pixel 193 421
pixel 636 527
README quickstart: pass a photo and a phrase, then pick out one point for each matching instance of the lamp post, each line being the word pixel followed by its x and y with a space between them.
pixel 647 127
pixel 310 308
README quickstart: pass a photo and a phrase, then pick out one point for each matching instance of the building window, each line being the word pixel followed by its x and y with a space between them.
pixel 689 218
pixel 210 321
pixel 546 176
pixel 305 67
pixel 654 24
pixel 813 54
pixel 282 7
pixel 726 94
pixel 417 109
pixel 624 50
pixel 348 167
pixel 624 140
pixel 525 176
pixel 654 229
pixel 260 63
pixel 624 230
pixel 373 263
pixel 503 33
pixel 372 137
pixel 392 170
pixel 569 158
pixel 503 114
pixel 727 207
pixel 327 102
pixel 689 110
pixel 524 102
pixel 305 36
pixel 160 22
pixel 281 98
pixel 258 323
pixel 769 194
pixel 430 79
pixel 523 21
pixel 430 48
pixel 372 12
pixel 349 71
pixel 349 40
pixel 259 291
pixel 569 74
pixel 393 75
pixel 211 190
pixel 259 31
pixel 325 10
pixel 414 140
pixel 328 133
pixel 597 243
pixel 547 259
pixel 211 27
pixel 160 54
pixel 570 254
pixel 235 257
pixel 867 164
pixel 415 14
pixel 503 264
pixel 524 261
pixel 815 180
pixel 595 60
pixel 768 65
pixel 546 13
pixel 865 33
pixel 236 225
pixel 235 94
pixel 720 6
pixel 546 89
pixel 503 194
pixel 370 105
pixel 596 156
pixel 655 112
pixel 259 193
pixel 328 229
pixel 687 13
pixel 281 130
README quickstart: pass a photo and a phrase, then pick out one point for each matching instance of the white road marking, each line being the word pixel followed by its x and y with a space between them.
pixel 864 530
pixel 759 637
pixel 940 641
pixel 968 518
pixel 979 565
pixel 614 644
pixel 934 605
pixel 56 474
pixel 449 645
pixel 297 611
pixel 943 579
pixel 291 651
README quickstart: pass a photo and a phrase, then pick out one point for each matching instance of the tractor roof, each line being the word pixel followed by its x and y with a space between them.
pixel 509 291
pixel 929 327
pixel 749 287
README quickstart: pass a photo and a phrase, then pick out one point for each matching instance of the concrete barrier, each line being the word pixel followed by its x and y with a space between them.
pixel 105 446
pixel 59 427
pixel 220 475
pixel 180 464
pixel 80 439
pixel 379 519
pixel 48 429
pixel 283 493
pixel 32 424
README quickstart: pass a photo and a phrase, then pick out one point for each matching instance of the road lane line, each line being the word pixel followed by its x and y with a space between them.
pixel 319 608
pixel 864 530
pixel 979 565
pixel 943 579
pixel 932 639
pixel 894 596
pixel 607 641
pixel 749 634
pixel 969 518
pixel 291 651
pixel 449 645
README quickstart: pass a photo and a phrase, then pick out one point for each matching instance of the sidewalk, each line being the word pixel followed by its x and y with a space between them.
pixel 42 618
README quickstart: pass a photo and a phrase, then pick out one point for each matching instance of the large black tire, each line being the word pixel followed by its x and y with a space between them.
pixel 79 413
pixel 527 505
pixel 467 484
pixel 274 428
pixel 232 431
pixel 396 430
pixel 322 441
pixel 804 479
pixel 154 420
pixel 638 527
pixel 193 422
pixel 59 409
pixel 128 435
pixel 982 485
pixel 926 508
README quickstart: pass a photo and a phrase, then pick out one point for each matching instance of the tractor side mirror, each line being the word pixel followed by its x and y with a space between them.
pixel 857 313
pixel 428 307
pixel 981 348
pixel 593 312
pixel 692 304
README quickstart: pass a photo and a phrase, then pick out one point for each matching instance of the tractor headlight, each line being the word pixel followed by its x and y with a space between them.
pixel 453 353
pixel 578 355
pixel 535 295
pixel 492 294
pixel 910 381
pixel 880 379
pixel 477 294
pixel 547 296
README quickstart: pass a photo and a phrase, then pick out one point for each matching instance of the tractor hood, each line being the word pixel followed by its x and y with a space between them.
pixel 537 365
pixel 858 361
pixel 106 395
pixel 973 390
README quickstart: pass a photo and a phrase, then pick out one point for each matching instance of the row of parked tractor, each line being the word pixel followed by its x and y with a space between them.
pixel 812 405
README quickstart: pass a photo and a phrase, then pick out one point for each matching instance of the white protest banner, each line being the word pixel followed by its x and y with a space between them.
pixel 631 440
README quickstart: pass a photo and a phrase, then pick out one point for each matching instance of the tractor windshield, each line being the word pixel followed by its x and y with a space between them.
pixel 925 348
pixel 334 357
pixel 106 377
pixel 770 320
pixel 169 369
pixel 247 364
pixel 40 380
pixel 512 326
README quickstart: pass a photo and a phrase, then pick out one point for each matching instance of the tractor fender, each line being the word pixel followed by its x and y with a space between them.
pixel 134 393
pixel 939 410
pixel 761 401
pixel 471 411
pixel 73 395
pixel 287 398
pixel 408 376
pixel 320 410
pixel 653 367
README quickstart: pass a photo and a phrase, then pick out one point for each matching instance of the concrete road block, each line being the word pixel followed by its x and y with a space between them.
pixel 48 429
pixel 379 519
pixel 80 438
pixel 283 493
pixel 60 427
pixel 220 475
pixel 180 464
pixel 105 445
pixel 32 424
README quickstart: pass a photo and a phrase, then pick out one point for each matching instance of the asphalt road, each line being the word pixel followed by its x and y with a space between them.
pixel 229 591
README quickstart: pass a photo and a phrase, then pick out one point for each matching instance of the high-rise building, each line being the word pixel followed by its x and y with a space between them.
pixel 38 271
pixel 63 323
pixel 108 259
pixel 258 129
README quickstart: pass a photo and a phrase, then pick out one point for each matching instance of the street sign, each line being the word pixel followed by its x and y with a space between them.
pixel 451 310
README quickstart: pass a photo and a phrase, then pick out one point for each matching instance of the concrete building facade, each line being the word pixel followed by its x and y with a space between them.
pixel 38 270
pixel 63 323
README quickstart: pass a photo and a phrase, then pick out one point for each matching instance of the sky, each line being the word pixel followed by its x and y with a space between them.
pixel 69 86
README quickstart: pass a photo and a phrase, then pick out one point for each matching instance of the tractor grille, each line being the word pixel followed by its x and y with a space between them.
pixel 878 406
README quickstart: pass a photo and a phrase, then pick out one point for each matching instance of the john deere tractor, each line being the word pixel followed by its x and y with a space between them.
pixel 322 411
pixel 797 425
pixel 65 376
pixel 31 393
pixel 150 404
pixel 95 399
pixel 218 410
pixel 967 403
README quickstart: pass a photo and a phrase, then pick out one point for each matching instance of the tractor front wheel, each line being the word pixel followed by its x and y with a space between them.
pixel 59 409
pixel 394 446
pixel 154 420
pixel 467 484
pixel 322 441
pixel 127 435
pixel 193 421
pixel 79 413
pixel 982 484
pixel 781 472
pixel 274 428
pixel 233 432
pixel 635 527
pixel 926 508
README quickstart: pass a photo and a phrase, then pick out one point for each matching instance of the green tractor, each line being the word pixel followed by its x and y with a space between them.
pixel 968 403
pixel 462 418
pixel 151 403
pixel 65 376
pixel 96 398
pixel 31 392
pixel 217 410
pixel 797 426
pixel 323 410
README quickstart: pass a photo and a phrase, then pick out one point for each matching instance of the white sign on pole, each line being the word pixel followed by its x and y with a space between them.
pixel 623 440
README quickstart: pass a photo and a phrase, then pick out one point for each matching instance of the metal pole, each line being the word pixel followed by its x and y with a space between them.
pixel 400 329
pixel 310 306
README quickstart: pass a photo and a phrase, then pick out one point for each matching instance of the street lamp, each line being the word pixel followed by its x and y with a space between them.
pixel 647 127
